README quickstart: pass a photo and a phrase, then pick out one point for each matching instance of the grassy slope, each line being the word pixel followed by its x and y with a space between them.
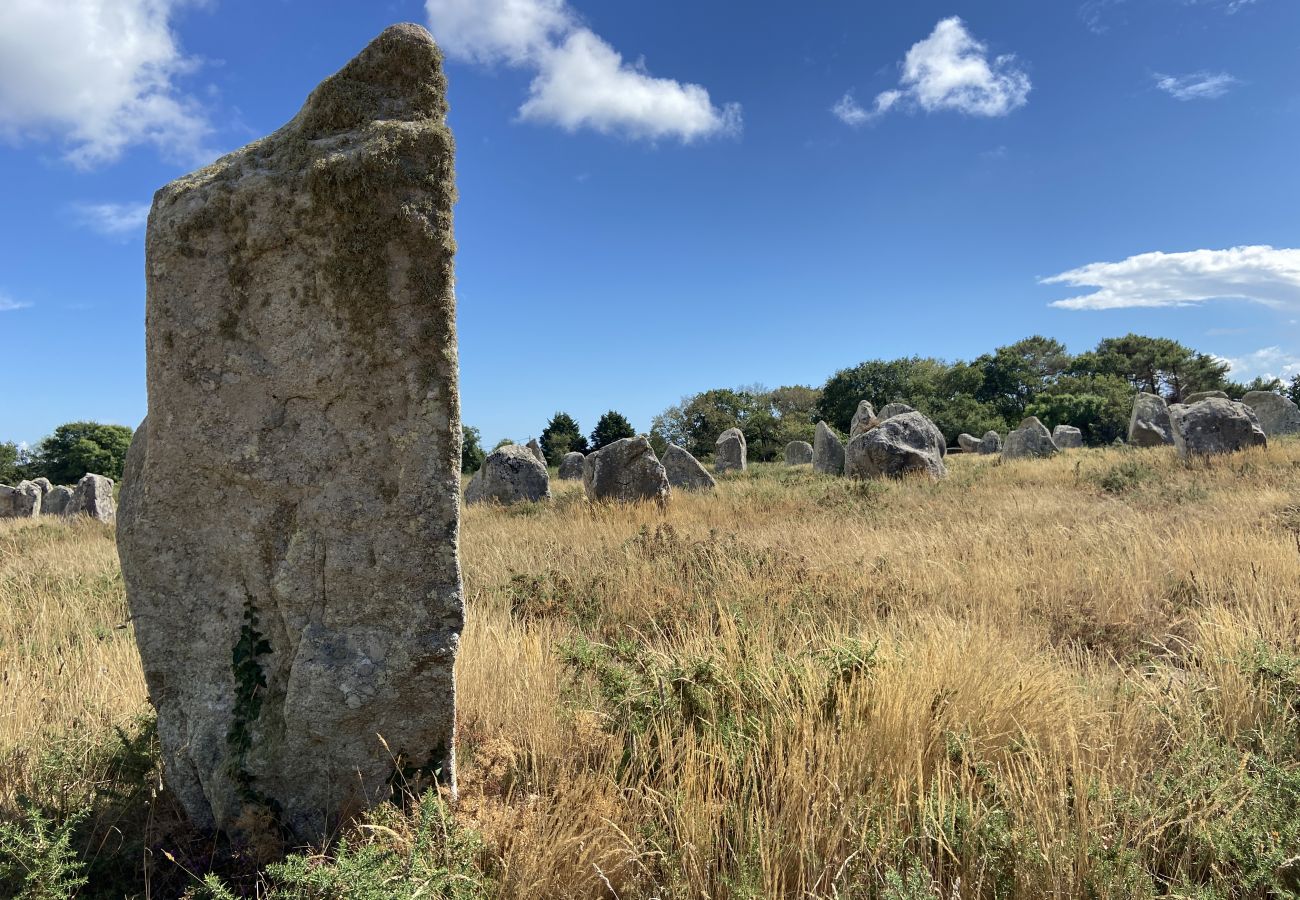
pixel 1076 677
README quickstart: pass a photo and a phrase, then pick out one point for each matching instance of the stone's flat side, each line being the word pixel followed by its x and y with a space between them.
pixel 1149 426
pixel 828 451
pixel 731 452
pixel 1277 415
pixel 1067 437
pixel 626 471
pixel 889 410
pixel 1215 426
pixel 798 453
pixel 571 466
pixel 536 450
pixel 991 443
pixel 92 497
pixel 289 517
pixel 968 443
pixel 1030 440
pixel 23 501
pixel 510 474
pixel 1205 395
pixel 900 445
pixel 685 471
pixel 55 503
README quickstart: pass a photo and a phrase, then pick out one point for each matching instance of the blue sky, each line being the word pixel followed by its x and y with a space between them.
pixel 663 197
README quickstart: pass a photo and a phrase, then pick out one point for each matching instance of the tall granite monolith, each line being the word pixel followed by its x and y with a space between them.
pixel 289 515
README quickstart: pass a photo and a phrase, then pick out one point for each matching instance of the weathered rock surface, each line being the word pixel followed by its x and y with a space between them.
pixel 44 484
pixel 828 451
pixel 798 453
pixel 510 474
pixel 894 409
pixel 626 471
pixel 536 450
pixel 991 443
pixel 1149 426
pixel 289 521
pixel 1030 440
pixel 908 442
pixel 968 443
pixel 730 452
pixel 1215 426
pixel 864 420
pixel 55 503
pixel 1204 395
pixel 93 496
pixel 685 471
pixel 1067 437
pixel 571 466
pixel 23 501
pixel 1277 415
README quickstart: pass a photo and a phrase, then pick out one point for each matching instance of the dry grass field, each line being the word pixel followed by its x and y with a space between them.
pixel 1077 677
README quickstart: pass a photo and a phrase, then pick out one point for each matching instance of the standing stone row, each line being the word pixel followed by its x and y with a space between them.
pixel 1211 423
pixel 91 496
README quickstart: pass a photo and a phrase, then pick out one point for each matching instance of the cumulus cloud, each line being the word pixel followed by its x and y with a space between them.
pixel 1197 86
pixel 949 71
pixel 1257 274
pixel 581 81
pixel 8 304
pixel 99 75
pixel 113 219
pixel 1266 363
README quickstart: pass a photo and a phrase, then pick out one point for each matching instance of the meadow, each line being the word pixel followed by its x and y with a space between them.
pixel 1075 677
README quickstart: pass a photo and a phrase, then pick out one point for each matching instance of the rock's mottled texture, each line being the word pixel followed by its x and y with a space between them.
pixel 991 443
pixel 92 497
pixel 23 501
pixel 1031 439
pixel 828 451
pixel 44 484
pixel 798 453
pixel 894 409
pixel 510 474
pixel 864 420
pixel 968 443
pixel 1067 437
pixel 1215 426
pixel 1149 425
pixel 571 466
pixel 685 471
pixel 1204 395
pixel 908 442
pixel 626 471
pixel 536 450
pixel 1277 415
pixel 730 452
pixel 289 521
pixel 55 503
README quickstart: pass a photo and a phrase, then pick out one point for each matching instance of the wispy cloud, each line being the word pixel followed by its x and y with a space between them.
pixel 112 219
pixel 581 81
pixel 1197 86
pixel 1268 362
pixel 8 304
pixel 949 71
pixel 1257 274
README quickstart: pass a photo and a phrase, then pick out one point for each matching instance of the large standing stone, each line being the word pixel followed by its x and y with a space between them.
pixel 1149 425
pixel 894 409
pixel 626 471
pixel 22 501
pixel 1215 426
pixel 510 474
pixel 798 453
pixel 289 521
pixel 1031 439
pixel 1205 395
pixel 536 449
pixel 730 452
pixel 1277 414
pixel 828 451
pixel 991 443
pixel 1067 437
pixel 685 471
pixel 968 443
pixel 571 466
pixel 55 503
pixel 905 443
pixel 92 497
pixel 863 420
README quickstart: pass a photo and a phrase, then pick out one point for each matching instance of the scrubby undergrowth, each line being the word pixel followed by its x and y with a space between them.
pixel 1077 677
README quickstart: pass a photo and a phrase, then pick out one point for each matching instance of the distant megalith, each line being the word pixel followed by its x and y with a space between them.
pixel 510 474
pixel 798 453
pixel 93 496
pixel 828 451
pixel 1149 426
pixel 991 443
pixel 55 503
pixel 1067 437
pixel 1215 426
pixel 626 471
pixel 1205 395
pixel 571 466
pixel 864 420
pixel 23 501
pixel 44 484
pixel 968 443
pixel 290 510
pixel 685 471
pixel 899 445
pixel 1030 440
pixel 1277 415
pixel 536 449
pixel 730 452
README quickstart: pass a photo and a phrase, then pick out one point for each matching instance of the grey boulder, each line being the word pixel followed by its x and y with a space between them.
pixel 894 409
pixel 1204 395
pixel 626 471
pixel 908 442
pixel 864 420
pixel 1067 437
pixel 92 497
pixel 798 453
pixel 968 443
pixel 1215 426
pixel 1031 439
pixel 56 501
pixel 510 474
pixel 991 443
pixel 23 501
pixel 828 451
pixel 536 449
pixel 1277 415
pixel 730 452
pixel 571 466
pixel 1149 426
pixel 685 471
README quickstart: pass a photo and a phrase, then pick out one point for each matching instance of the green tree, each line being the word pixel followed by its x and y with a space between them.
pixel 1014 375
pixel 1155 365
pixel 77 448
pixel 11 463
pixel 471 449
pixel 1293 391
pixel 560 436
pixel 911 380
pixel 1098 405
pixel 613 426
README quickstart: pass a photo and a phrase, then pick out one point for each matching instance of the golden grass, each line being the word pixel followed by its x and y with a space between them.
pixel 1034 679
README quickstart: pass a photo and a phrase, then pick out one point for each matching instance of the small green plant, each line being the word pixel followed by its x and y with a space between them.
pixel 1125 476
pixel 37 859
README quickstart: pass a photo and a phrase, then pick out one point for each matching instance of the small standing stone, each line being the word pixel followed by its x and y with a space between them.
pixel 510 474
pixel 905 443
pixel 1277 415
pixel 20 502
pixel 1067 437
pixel 1149 425
pixel 798 453
pixel 730 453
pixel 968 443
pixel 536 449
pixel 685 471
pixel 44 484
pixel 93 497
pixel 991 444
pixel 55 503
pixel 626 471
pixel 1031 439
pixel 1215 426
pixel 571 466
pixel 863 420
pixel 828 451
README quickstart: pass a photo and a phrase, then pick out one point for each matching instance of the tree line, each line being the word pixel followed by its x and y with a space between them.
pixel 74 449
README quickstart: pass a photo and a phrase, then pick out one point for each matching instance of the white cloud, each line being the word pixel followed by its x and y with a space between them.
pixel 1258 274
pixel 113 219
pixel 98 75
pixel 849 111
pixel 7 304
pixel 581 81
pixel 1267 363
pixel 951 71
pixel 1197 86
